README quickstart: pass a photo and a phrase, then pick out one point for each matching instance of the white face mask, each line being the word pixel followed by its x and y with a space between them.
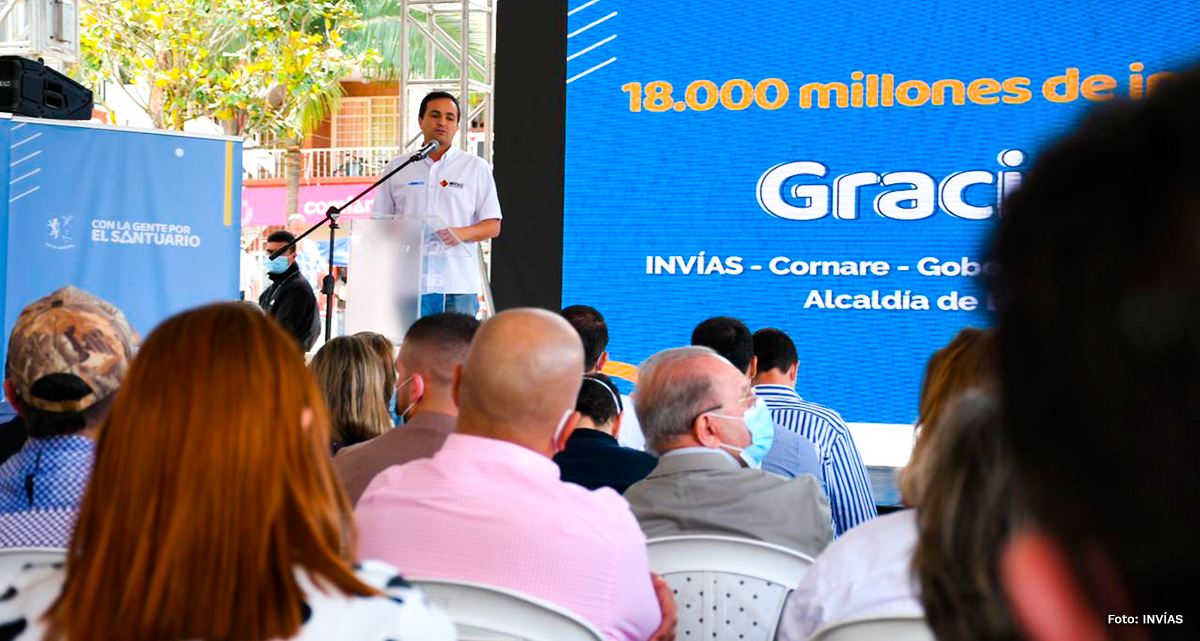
pixel 762 434
pixel 562 423
pixel 404 413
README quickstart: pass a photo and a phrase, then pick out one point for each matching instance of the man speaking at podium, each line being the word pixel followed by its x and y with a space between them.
pixel 457 188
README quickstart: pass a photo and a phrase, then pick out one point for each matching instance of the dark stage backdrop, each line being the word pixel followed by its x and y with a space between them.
pixel 531 106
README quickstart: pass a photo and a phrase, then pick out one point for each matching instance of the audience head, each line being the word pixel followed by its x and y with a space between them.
pixel 968 361
pixel 212 485
pixel 350 378
pixel 296 224
pixel 685 397
pixel 730 338
pixel 965 516
pixel 1099 360
pixel 386 351
pixel 599 404
pixel 775 358
pixel 276 241
pixel 67 356
pixel 433 348
pixel 521 380
pixel 593 332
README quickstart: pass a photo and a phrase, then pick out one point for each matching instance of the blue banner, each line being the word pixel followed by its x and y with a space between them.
pixel 145 220
pixel 831 169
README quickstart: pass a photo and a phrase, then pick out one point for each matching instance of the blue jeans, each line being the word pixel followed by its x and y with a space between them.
pixel 462 303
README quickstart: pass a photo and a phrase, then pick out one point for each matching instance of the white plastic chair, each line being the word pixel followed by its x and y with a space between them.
pixel 891 628
pixel 13 559
pixel 727 587
pixel 487 613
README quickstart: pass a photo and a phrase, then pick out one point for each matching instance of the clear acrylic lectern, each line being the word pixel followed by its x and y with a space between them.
pixel 396 260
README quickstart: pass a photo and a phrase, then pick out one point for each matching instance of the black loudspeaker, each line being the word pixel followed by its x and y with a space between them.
pixel 30 88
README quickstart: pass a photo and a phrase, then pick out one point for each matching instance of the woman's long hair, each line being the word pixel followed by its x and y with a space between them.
pixel 969 360
pixel 351 379
pixel 383 347
pixel 212 487
pixel 964 517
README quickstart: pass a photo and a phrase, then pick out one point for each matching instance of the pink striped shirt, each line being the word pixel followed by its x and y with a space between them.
pixel 494 512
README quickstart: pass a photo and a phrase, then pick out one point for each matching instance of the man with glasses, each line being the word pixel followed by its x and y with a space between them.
pixel 700 415
pixel 790 454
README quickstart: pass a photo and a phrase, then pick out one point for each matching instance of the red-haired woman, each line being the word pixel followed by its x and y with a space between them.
pixel 212 511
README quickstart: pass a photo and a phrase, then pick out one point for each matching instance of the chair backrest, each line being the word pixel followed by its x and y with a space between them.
pixel 727 587
pixel 892 628
pixel 13 559
pixel 486 613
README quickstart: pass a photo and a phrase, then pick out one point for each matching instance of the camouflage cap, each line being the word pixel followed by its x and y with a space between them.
pixel 70 332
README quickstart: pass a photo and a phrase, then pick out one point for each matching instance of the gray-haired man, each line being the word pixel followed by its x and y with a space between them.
pixel 691 404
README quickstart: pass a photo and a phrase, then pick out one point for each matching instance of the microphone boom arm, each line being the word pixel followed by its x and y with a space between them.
pixel 331 216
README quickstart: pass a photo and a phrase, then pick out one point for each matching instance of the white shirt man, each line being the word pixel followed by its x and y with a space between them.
pixel 457 188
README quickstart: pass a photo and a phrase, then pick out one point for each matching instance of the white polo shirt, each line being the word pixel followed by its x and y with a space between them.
pixel 460 190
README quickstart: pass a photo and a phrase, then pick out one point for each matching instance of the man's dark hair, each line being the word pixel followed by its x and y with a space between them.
pixel 593 331
pixel 598 399
pixel 1099 346
pixel 728 337
pixel 437 343
pixel 774 350
pixel 449 328
pixel 435 95
pixel 283 236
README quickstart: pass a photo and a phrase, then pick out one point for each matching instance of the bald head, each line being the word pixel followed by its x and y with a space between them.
pixel 523 371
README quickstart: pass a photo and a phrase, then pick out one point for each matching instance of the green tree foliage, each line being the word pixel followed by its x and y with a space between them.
pixel 379 33
pixel 267 68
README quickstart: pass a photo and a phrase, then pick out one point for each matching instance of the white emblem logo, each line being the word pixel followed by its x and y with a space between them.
pixel 60 233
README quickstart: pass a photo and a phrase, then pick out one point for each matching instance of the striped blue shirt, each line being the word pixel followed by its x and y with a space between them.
pixel 846 479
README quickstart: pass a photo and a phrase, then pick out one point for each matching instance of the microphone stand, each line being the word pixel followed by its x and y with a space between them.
pixel 331 216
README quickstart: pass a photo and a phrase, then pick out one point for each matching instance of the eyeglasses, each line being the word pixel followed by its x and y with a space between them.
pixel 746 402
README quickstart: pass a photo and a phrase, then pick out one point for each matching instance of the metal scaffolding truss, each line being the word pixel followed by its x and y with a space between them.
pixel 474 93
pixel 47 29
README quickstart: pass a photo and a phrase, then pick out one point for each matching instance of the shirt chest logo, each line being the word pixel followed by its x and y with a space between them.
pixel 451 183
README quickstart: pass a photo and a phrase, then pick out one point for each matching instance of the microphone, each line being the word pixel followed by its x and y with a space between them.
pixel 429 148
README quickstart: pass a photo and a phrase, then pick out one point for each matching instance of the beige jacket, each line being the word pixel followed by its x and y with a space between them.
pixel 696 492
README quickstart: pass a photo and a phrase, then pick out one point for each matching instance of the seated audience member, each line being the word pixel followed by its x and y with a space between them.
pixel 489 506
pixel 386 351
pixel 350 378
pixel 1099 370
pixel 868 571
pixel 842 468
pixel 789 454
pixel 215 520
pixel 593 458
pixel 67 356
pixel 696 408
pixel 964 484
pixel 593 331
pixel 433 347
pixel 289 298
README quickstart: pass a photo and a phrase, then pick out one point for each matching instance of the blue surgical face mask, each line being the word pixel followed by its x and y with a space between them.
pixel 762 433
pixel 392 413
pixel 277 265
